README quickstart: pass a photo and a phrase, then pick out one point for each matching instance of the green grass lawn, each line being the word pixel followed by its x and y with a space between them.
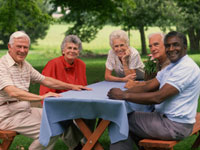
pixel 49 48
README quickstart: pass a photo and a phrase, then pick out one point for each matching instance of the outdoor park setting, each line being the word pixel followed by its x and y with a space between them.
pixel 95 47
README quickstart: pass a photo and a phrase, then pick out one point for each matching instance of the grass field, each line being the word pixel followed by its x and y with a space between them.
pixel 99 45
pixel 49 48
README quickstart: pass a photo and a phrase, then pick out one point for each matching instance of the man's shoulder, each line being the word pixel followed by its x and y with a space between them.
pixel 3 60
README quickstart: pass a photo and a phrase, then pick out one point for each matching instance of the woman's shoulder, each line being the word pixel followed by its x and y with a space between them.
pixel 134 50
pixel 79 61
pixel 55 60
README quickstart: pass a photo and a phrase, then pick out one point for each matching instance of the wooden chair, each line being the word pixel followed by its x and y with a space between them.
pixel 149 144
pixel 7 137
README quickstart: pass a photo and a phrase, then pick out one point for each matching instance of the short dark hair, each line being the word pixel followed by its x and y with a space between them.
pixel 181 36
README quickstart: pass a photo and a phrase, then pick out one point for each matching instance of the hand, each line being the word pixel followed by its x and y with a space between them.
pixel 132 83
pixel 80 87
pixel 129 84
pixel 116 93
pixel 127 54
pixel 130 77
pixel 51 94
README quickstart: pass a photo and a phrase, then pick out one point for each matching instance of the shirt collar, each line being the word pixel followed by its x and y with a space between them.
pixel 67 65
pixel 11 61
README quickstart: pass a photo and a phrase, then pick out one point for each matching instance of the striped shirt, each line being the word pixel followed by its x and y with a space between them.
pixel 13 74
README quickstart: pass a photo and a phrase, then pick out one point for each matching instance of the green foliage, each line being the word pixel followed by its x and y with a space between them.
pixel 88 17
pixel 189 21
pixel 27 15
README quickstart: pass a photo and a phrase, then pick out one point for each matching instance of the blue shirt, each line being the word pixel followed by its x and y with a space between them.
pixel 184 75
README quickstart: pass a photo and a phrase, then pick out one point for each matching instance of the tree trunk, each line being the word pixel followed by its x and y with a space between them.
pixel 129 36
pixel 143 41
pixel 194 38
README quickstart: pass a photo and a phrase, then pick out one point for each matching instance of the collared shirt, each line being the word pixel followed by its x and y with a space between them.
pixel 16 75
pixel 58 68
pixel 134 62
pixel 184 75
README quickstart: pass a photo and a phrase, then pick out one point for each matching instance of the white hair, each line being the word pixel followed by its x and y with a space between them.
pixel 71 39
pixel 157 33
pixel 18 34
pixel 119 34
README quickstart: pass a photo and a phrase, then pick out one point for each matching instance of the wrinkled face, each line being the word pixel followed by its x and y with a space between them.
pixel 19 49
pixel 120 47
pixel 174 48
pixel 156 46
pixel 70 52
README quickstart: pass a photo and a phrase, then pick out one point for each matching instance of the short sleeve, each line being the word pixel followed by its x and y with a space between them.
pixel 36 76
pixel 181 78
pixel 5 78
pixel 110 61
pixel 135 61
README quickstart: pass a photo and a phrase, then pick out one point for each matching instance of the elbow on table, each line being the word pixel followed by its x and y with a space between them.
pixel 107 78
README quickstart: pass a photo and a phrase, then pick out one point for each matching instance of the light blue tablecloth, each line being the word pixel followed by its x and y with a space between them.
pixel 88 105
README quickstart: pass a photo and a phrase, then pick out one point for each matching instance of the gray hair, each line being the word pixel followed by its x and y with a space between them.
pixel 119 34
pixel 18 34
pixel 157 33
pixel 71 39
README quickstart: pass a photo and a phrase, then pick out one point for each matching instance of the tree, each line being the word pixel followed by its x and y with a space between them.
pixel 188 22
pixel 87 17
pixel 27 15
pixel 145 13
pixel 90 16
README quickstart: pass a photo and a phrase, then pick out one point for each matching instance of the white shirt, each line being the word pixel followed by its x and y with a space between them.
pixel 184 75
pixel 134 62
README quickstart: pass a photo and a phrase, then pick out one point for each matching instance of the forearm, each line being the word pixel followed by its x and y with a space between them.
pixel 144 98
pixel 56 84
pixel 113 78
pixel 21 94
pixel 126 69
pixel 147 86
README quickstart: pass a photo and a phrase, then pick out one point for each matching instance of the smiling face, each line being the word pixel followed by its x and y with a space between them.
pixel 175 48
pixel 156 46
pixel 19 49
pixel 70 52
pixel 119 47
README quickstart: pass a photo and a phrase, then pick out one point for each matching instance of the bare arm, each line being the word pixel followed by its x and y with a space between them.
pixel 124 60
pixel 57 84
pixel 127 71
pixel 144 98
pixel 110 77
pixel 149 86
pixel 15 92
pixel 132 83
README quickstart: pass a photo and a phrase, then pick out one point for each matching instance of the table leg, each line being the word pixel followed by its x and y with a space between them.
pixel 92 138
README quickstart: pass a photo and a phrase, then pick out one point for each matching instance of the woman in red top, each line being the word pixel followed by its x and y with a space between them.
pixel 67 68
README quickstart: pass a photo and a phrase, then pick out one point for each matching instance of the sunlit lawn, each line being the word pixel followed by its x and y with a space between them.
pixel 49 48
